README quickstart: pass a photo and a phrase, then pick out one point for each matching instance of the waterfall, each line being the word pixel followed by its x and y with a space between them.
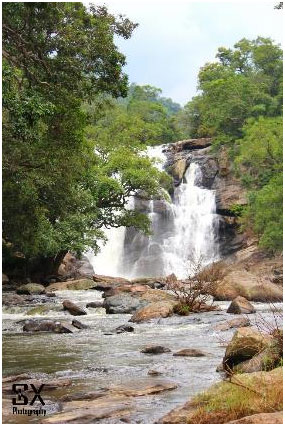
pixel 184 232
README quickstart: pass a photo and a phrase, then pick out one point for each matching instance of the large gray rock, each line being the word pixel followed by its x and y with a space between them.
pixel 72 308
pixel 31 288
pixel 123 303
pixel 240 305
pixel 47 326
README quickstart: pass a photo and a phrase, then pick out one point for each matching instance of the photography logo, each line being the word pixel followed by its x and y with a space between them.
pixel 20 399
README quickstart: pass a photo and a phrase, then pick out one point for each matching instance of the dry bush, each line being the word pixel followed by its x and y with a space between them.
pixel 194 292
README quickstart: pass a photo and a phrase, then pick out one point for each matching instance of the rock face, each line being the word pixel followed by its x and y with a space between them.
pixel 240 305
pixel 31 289
pixel 249 273
pixel 191 144
pixel 245 343
pixel 72 308
pixel 47 326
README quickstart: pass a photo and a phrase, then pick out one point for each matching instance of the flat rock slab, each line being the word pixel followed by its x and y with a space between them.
pixel 115 401
pixel 234 323
pixel 143 387
pixel 83 284
pixel 261 418
pixel 190 352
pixel 155 350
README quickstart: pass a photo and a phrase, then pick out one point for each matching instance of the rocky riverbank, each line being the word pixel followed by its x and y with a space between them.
pixel 126 329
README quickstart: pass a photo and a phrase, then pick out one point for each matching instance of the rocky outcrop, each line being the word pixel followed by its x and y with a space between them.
pixel 245 343
pixel 240 305
pixel 191 144
pixel 31 289
pixel 72 308
pixel 83 284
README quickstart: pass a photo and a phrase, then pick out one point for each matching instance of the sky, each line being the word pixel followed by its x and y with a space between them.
pixel 176 37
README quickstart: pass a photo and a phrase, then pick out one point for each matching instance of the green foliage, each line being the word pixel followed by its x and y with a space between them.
pixel 63 180
pixel 265 212
pixel 246 82
pixel 240 105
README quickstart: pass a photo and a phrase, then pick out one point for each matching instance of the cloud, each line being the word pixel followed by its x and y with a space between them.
pixel 176 37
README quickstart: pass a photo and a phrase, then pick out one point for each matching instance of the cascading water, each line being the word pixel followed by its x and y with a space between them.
pixel 184 232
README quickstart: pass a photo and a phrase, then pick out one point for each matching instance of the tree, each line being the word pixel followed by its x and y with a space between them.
pixel 58 192
pixel 245 82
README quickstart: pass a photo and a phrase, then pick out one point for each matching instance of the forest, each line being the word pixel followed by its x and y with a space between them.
pixel 75 131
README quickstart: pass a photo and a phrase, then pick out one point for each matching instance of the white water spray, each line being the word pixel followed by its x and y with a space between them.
pixel 184 231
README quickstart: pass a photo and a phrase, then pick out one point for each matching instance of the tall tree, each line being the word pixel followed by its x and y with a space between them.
pixel 57 191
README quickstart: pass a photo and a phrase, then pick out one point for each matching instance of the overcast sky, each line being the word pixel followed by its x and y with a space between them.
pixel 176 37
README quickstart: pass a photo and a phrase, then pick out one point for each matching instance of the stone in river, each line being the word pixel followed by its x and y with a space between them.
pixel 155 349
pixel 190 352
pixel 72 308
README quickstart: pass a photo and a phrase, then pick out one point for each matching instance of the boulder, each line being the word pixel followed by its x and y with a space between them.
pixel 82 284
pixel 38 310
pixel 261 418
pixel 79 325
pixel 240 305
pixel 245 343
pixel 190 352
pixel 123 303
pixel 124 329
pixel 31 289
pixel 154 310
pixel 47 326
pixel 155 349
pixel 72 267
pixel 95 304
pixel 11 299
pixel 234 323
pixel 72 308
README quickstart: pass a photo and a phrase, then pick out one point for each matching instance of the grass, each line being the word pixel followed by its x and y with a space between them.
pixel 247 394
